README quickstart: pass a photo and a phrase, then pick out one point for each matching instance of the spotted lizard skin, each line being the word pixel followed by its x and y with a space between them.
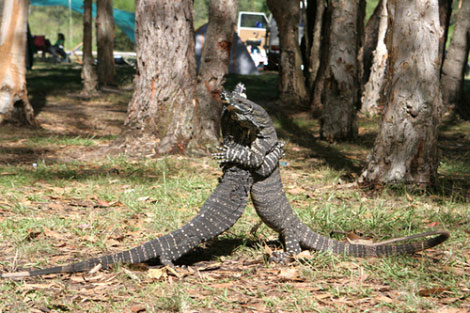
pixel 219 212
pixel 271 202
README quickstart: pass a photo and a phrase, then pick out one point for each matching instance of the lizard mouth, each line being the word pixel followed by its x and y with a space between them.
pixel 234 107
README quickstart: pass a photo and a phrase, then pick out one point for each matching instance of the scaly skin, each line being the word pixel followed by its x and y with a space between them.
pixel 220 211
pixel 271 203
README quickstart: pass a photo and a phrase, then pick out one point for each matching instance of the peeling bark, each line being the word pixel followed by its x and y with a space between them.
pixel 405 149
pixel 105 42
pixel 14 103
pixel 160 115
pixel 374 87
pixel 371 35
pixel 215 60
pixel 292 89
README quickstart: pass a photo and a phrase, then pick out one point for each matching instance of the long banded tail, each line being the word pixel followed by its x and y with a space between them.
pixel 220 211
pixel 386 248
pixel 141 253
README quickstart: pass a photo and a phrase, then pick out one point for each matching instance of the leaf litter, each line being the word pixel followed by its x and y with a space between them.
pixel 242 282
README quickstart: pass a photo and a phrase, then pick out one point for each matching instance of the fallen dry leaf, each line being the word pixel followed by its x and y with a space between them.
pixel 384 299
pixel 433 224
pixel 102 203
pixel 50 233
pixel 357 240
pixel 289 273
pixel 157 273
pixel 305 255
pixel 222 285
pixel 428 292
pixel 138 308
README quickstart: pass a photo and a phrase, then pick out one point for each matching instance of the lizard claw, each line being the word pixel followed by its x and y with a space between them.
pixel 221 157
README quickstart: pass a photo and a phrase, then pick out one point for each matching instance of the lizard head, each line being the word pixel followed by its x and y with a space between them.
pixel 246 113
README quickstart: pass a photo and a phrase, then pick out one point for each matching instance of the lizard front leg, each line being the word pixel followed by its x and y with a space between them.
pixel 262 165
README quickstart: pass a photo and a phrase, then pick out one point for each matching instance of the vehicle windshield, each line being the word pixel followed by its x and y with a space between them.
pixel 253 21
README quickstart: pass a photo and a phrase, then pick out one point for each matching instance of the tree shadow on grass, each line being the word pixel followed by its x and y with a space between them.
pixel 51 79
pixel 319 149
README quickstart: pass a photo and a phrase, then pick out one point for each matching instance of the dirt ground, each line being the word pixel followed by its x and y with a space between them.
pixel 241 282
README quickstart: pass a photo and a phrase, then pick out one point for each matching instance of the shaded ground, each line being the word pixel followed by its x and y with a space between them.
pixel 58 205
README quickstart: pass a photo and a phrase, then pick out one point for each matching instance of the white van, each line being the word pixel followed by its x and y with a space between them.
pixel 252 30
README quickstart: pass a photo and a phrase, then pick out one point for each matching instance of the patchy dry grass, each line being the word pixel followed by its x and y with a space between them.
pixel 58 206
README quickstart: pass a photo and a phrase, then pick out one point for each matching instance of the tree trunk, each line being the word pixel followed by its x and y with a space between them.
pixel 160 114
pixel 315 50
pixel 323 50
pixel 341 92
pixel 453 70
pixel 371 35
pixel 292 89
pixel 445 12
pixel 374 87
pixel 215 59
pixel 89 77
pixel 105 42
pixel 14 102
pixel 406 149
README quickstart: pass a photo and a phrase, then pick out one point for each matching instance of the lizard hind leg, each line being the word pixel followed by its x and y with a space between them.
pixel 291 249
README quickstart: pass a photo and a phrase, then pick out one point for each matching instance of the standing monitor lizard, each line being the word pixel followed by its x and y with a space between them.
pixel 219 212
pixel 271 202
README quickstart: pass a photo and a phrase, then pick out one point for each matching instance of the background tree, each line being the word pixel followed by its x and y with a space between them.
pixel 215 59
pixel 314 21
pixel 405 149
pixel 14 102
pixel 160 115
pixel 340 96
pixel 453 70
pixel 291 80
pixel 104 41
pixel 374 87
pixel 445 12
pixel 371 35
pixel 89 77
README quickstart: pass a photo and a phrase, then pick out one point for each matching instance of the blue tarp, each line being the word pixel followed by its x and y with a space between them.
pixel 124 20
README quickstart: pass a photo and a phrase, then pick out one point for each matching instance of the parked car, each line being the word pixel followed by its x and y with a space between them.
pixel 252 29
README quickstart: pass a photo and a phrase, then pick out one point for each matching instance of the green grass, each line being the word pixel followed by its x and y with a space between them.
pixel 66 209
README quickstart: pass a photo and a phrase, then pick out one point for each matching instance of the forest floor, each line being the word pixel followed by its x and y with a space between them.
pixel 61 202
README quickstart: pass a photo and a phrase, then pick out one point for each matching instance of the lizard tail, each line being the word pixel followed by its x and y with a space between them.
pixel 318 242
pixel 141 253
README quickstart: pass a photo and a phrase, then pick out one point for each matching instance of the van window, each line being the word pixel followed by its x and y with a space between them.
pixel 253 21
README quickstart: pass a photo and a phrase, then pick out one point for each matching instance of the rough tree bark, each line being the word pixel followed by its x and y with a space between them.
pixel 89 77
pixel 105 42
pixel 292 89
pixel 14 102
pixel 405 149
pixel 453 70
pixel 340 96
pixel 374 87
pixel 214 66
pixel 160 115
pixel 371 35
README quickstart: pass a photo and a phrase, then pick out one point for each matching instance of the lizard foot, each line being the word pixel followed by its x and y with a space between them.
pixel 281 257
pixel 222 155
